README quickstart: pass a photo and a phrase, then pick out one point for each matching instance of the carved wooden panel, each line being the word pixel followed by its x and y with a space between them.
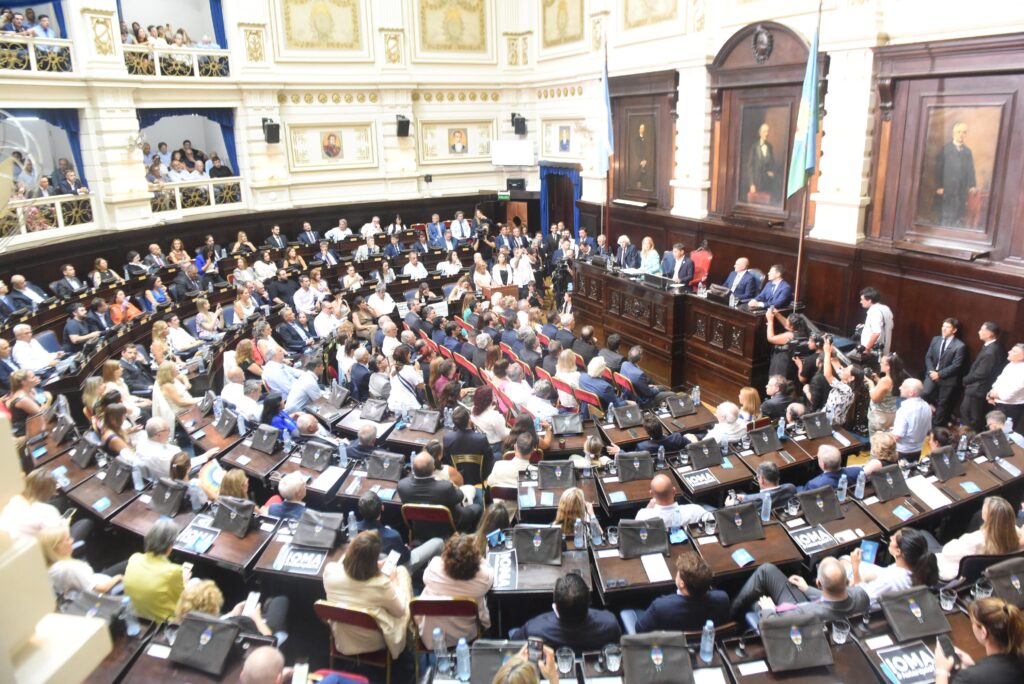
pixel 637 309
pixel 659 318
pixel 735 339
pixel 614 304
pixel 700 327
pixel 717 333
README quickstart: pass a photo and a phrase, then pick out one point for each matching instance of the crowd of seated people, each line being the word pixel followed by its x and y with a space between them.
pixel 187 163
pixel 31 182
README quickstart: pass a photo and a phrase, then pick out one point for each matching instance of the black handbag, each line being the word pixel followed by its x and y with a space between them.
pixel 945 464
pixel 817 425
pixel 704 454
pixel 641 537
pixel 740 523
pixel 913 613
pixel 206 403
pixel 265 439
pixel 795 640
pixel 634 465
pixel 764 440
pixel 385 465
pixel 65 427
pixel 374 409
pixel 1007 578
pixel 316 456
pixel 820 505
pixel 626 417
pixel 680 405
pixel 995 444
pixel 539 545
pixel 889 483
pixel 556 474
pixel 119 474
pixel 567 424
pixel 226 423
pixel 339 395
pixel 83 454
pixel 90 604
pixel 318 529
pixel 167 497
pixel 204 642
pixel 656 658
pixel 234 515
pixel 424 420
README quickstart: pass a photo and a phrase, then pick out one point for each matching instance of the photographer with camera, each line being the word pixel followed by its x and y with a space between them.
pixel 846 390
pixel 876 333
pixel 793 341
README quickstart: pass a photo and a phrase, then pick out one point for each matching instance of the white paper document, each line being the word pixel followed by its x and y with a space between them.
pixel 753 668
pixel 927 492
pixel 656 567
pixel 326 479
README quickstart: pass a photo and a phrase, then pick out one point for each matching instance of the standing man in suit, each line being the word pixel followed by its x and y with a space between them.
pixel 308 236
pixel 741 281
pixel 462 230
pixel 955 180
pixel 25 294
pixel 776 293
pixel 276 239
pixel 761 166
pixel 69 285
pixel 585 239
pixel 943 365
pixel 677 266
pixel 435 231
pixel 627 256
pixel 504 240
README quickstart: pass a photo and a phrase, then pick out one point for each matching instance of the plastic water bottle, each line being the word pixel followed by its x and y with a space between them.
pixel 1008 426
pixel 131 622
pixel 595 533
pixel 440 652
pixel 732 300
pixel 841 489
pixel 209 285
pixel 766 507
pixel 218 405
pixel 463 666
pixel 343 453
pixel 196 498
pixel 353 528
pixel 961 448
pixel 781 430
pixel 137 482
pixel 858 489
pixel 707 642
pixel 287 437
pixel 577 534
pixel 661 456
pixel 695 396
pixel 201 368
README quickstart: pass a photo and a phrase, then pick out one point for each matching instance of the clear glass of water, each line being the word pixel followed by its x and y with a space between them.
pixel 613 469
pixel 982 589
pixel 613 658
pixel 840 631
pixel 613 536
pixel 793 506
pixel 947 599
pixel 565 659
pixel 533 473
pixel 510 543
pixel 710 524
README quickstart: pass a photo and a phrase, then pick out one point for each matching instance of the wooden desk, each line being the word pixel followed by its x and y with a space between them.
pixel 53 449
pixel 797 457
pixel 327 412
pixel 272 559
pixel 546 513
pixel 573 444
pixel 638 492
pixel 728 478
pixel 882 511
pixel 322 485
pixel 961 634
pixel 623 438
pixel 700 421
pixel 64 466
pixel 149 668
pixel 610 566
pixel 192 420
pixel 855 526
pixel 351 423
pixel 539 580
pixel 228 551
pixel 639 313
pixel 124 651
pixel 849 665
pixel 255 463
pixel 594 670
pixel 137 517
pixel 211 439
pixel 356 483
pixel 776 548
pixel 405 438
pixel 98 499
pixel 810 446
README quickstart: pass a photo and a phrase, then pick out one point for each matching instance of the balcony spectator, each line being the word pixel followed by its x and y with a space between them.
pixel 72 185
pixel 190 154
pixel 219 169
pixel 43 189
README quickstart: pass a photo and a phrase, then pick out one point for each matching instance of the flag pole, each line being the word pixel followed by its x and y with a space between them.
pixel 800 243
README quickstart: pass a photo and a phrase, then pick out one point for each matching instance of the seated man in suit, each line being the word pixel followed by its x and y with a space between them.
pixel 531 352
pixel 360 375
pixel 69 284
pixel 585 346
pixel 831 599
pixel 188 282
pixel 768 483
pixel 308 236
pixel 656 437
pixel 627 255
pixel 422 488
pixel 71 184
pixel 276 238
pixel 550 360
pixel 421 246
pixel 779 396
pixel 25 295
pixel 98 318
pixel 564 335
pixel 610 352
pixel 550 329
pixel 393 248
pixel 7 365
pixel 465 441
pixel 293 336
pixel 572 623
pixel 136 374
pixel 776 293
pixel 831 463
pixel 591 381
pixel 365 444
pixel 677 266
pixel 693 603
pixel 742 282
pixel 648 394
pixel 451 340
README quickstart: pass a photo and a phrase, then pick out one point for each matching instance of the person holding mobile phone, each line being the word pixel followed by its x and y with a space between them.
pixel 999 627
pixel 522 669
pixel 914 564
pixel 459 571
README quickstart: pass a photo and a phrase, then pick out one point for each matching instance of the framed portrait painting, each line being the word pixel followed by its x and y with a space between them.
pixel 762 155
pixel 313 147
pixel 454 142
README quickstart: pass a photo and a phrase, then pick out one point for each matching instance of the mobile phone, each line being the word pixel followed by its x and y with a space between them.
pixel 186 568
pixel 300 671
pixel 496 537
pixel 947 647
pixel 868 551
pixel 251 602
pixel 535 649
pixel 390 563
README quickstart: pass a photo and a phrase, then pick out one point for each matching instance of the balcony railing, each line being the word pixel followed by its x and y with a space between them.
pixel 189 195
pixel 144 60
pixel 45 213
pixel 24 53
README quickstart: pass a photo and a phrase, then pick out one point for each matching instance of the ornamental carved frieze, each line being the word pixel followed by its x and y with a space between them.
pixel 717 333
pixel 700 327
pixel 638 310
pixel 735 340
pixel 594 289
pixel 659 318
pixel 615 304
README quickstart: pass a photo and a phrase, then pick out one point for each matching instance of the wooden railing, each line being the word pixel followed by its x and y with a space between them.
pixel 25 53
pixel 192 195
pixel 145 60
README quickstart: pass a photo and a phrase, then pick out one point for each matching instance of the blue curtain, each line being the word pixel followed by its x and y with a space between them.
pixel 120 14
pixel 217 16
pixel 222 116
pixel 58 17
pixel 545 201
pixel 67 121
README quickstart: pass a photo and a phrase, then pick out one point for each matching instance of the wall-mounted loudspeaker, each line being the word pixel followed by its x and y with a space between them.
pixel 271 131
pixel 519 124
pixel 403 126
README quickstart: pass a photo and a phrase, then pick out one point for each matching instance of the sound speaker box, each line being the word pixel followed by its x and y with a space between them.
pixel 272 132
pixel 403 126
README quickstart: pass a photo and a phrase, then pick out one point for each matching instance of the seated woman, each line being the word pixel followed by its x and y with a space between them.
pixel 385 274
pixel 593 455
pixel 524 423
pixel 244 360
pixel 317 282
pixel 103 275
pixel 181 466
pixel 206 262
pixel 177 254
pixel 573 506
pixel 650 260
pixel 914 564
pixel 114 438
pixel 170 392
pixel 241 245
pixel 30 511
pixel 203 596
pixel 293 261
pixel 487 419
pixel 21 401
pixel 264 267
pixel 460 571
pixel 113 379
pixel 883 452
pixel 423 293
pixel 566 371
pixel 357 582
pixel 495 517
pixel 274 414
pixel 157 295
pixel 406 382
pixel 998 536
pixel 243 305
pixel 70 574
pixel 209 326
pixel 180 339
pixel 122 309
pixel 160 348
pixel 243 273
pixel 999 627
pixel 450 267
pixel 461 289
pixel 234 483
pixel 151 580
pixel 750 404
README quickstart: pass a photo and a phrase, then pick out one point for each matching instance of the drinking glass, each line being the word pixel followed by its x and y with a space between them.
pixel 982 589
pixel 613 469
pixel 947 599
pixel 509 541
pixel 533 473
pixel 793 506
pixel 613 536
pixel 613 657
pixel 730 496
pixel 840 630
pixel 565 659
pixel 710 525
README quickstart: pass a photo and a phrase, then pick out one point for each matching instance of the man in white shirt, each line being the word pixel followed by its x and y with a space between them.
pixel 164 154
pixel 913 420
pixel 538 403
pixel 248 405
pixel 278 376
pixel 414 269
pixel 364 252
pixel 178 173
pixel 877 330
pixel 339 232
pixel 380 302
pixel 663 505
pixel 506 473
pixel 1007 393
pixel 372 228
pixel 20 286
pixel 327 321
pixel 306 388
pixel 461 229
pixel 156 451
pixel 233 390
pixel 391 340
pixel 306 299
pixel 515 387
pixel 28 353
pixel 180 339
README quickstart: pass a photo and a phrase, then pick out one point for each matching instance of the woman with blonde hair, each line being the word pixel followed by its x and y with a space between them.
pixel 481 276
pixel 170 392
pixel 244 359
pixel 67 573
pixel 317 282
pixel 204 596
pixel 883 452
pixel 566 371
pixel 29 512
pixel 92 390
pixel 160 348
pixel 750 404
pixel 462 287
pixel 235 483
pixel 243 273
pixel 243 305
pixel 998 536
pixel 573 506
pixel 998 627
pixel 113 379
pixel 241 245
pixel 21 400
pixel 209 326
pixel 521 670
pixel 650 260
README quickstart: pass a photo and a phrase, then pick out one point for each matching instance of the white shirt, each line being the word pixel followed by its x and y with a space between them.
pixel 492 424
pixel 522 273
pixel 156 456
pixel 401 398
pixel 388 346
pixel 30 293
pixel 888 579
pixel 539 407
pixel 304 390
pixel 180 339
pixel 307 299
pixel 731 432
pixel 279 377
pixel 447 268
pixel 325 323
pixel 482 279
pixel 369 229
pixel 31 355
pixel 878 320
pixel 912 424
pixel 1009 386
pixel 263 270
pixel 416 271
pixel 519 392
pixel 460 229
pixel 506 473
pixel 232 392
pixel 688 513
pixel 20 517
pixel 336 233
pixel 380 305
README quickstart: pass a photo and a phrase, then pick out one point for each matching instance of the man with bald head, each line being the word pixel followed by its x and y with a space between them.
pixel 741 281
pixel 830 460
pixel 913 420
pixel 25 294
pixel 663 505
pixel 831 599
pixel 421 488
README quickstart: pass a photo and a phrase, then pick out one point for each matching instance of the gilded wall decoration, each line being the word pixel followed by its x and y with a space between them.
pixel 393 47
pixel 102 35
pixel 513 51
pixel 552 93
pixel 562 138
pixel 322 24
pixel 449 30
pixel 254 50
pixel 561 22
pixel 697 12
pixel 453 142
pixel 451 96
pixel 328 146
pixel 597 34
pixel 640 13
pixel 325 97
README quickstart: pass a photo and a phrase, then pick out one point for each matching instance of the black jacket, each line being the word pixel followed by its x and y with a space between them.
pixel 427 490
pixel 290 337
pixel 565 338
pixel 985 369
pixel 585 349
pixel 469 442
pixel 775 407
pixel 66 289
pixel 599 628
pixel 613 359
pixel 20 300
pixel 137 376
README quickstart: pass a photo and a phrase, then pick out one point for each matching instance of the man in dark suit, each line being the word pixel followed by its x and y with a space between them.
pixel 7 365
pixel 69 285
pixel 421 245
pixel 573 623
pixel 276 239
pixel 656 437
pixel 412 317
pixel 531 353
pixel 550 360
pixel 830 460
pixel 394 248
pixel 768 484
pixel 360 375
pixel 648 395
pixel 7 306
pixel 603 250
pixel 776 292
pixel 610 352
pixel 366 441
pixel 550 329
pixel 687 609
pixel 136 374
pixel 451 340
pixel 98 318
pixel 504 240
pixel 481 343
pixel 71 184
pixel 421 488
pixel 778 392
pixel 591 381
pixel 25 294
pixel 943 365
pixel 509 337
pixel 155 259
pixel 986 368
pixel 465 441
pixel 955 180
pixel 677 266
pixel 188 281
pixel 761 167
pixel 308 236
pixel 585 346
pixel 742 282
pixel 294 337
pixel 627 256
pixel 564 335
pixel 585 239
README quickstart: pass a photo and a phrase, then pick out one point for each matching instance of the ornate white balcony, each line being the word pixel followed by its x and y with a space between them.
pixel 196 197
pixel 23 53
pixel 144 60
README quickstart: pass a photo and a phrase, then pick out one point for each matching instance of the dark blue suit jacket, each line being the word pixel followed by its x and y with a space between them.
pixel 632 257
pixel 305 239
pixel 603 389
pixel 435 234
pixel 745 290
pixel 393 250
pixel 19 300
pixel 641 383
pixel 549 330
pixel 390 540
pixel 832 479
pixel 780 495
pixel 668 267
pixel 598 629
pixel 683 613
pixel 5 374
pixel 422 247
pixel 672 442
pixel 589 241
pixel 777 295
pixel 290 338
pixel 360 381
pixel 504 241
